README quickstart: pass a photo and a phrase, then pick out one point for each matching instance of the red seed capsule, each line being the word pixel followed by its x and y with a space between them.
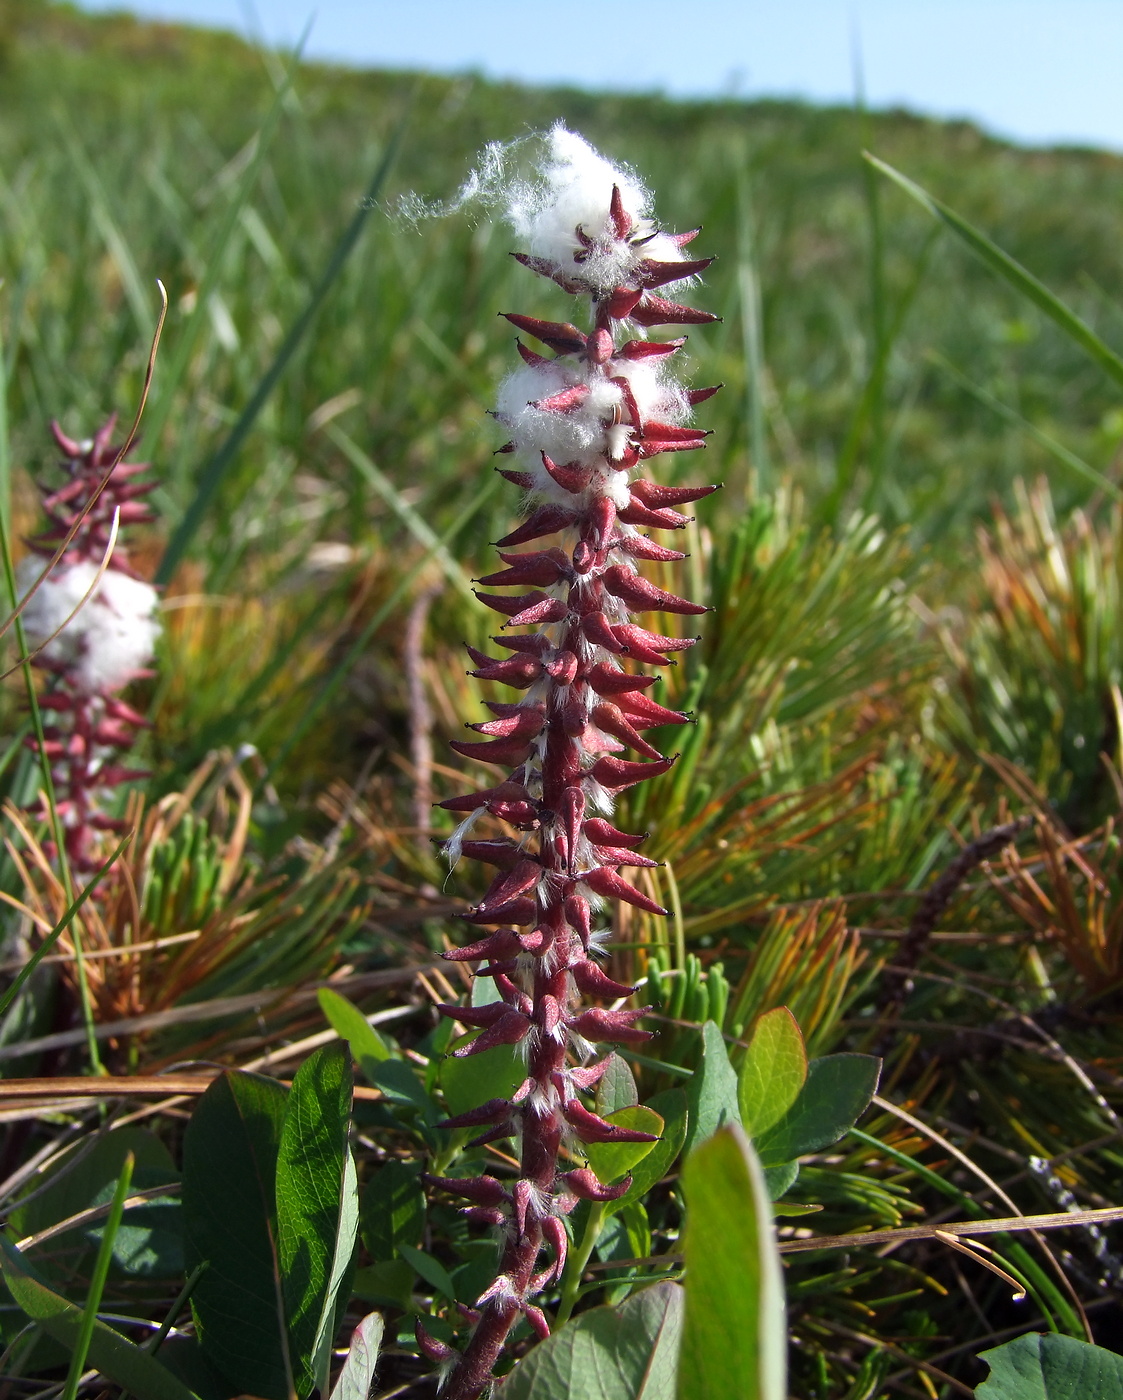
pixel 591 1128
pixel 565 339
pixel 584 1183
pixel 597 1025
pixel 619 773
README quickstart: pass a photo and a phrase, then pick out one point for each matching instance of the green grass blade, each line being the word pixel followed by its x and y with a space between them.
pixel 15 746
pixel 872 401
pixel 752 332
pixel 161 409
pixel 97 1282
pixel 5 454
pixel 110 231
pixel 412 519
pixel 212 475
pixel 1050 444
pixel 1020 278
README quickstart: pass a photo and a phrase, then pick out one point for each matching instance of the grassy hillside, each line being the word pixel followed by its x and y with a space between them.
pixel 123 145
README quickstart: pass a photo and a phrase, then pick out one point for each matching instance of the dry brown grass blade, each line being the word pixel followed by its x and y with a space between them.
pixel 142 1086
pixel 976 1252
pixel 217 1008
pixel 999 1194
pixel 901 1234
pixel 151 945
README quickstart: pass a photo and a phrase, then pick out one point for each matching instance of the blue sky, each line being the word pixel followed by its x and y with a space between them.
pixel 1037 71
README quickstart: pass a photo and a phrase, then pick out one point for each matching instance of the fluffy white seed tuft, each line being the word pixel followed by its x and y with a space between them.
pixel 572 188
pixel 574 435
pixel 109 639
pixel 547 185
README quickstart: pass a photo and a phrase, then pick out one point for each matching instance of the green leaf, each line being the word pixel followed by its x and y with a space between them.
pixel 672 1108
pixel 837 1092
pixel 149 1243
pixel 791 1208
pixel 612 1160
pixel 351 1025
pixel 86 1174
pixel 183 1357
pixel 230 1220
pixel 317 1209
pixel 414 520
pixel 399 1082
pixel 357 1375
pixel 780 1178
pixel 1012 272
pixel 617 1087
pixel 391 1283
pixel 713 1090
pixel 114 1356
pixel 393 1209
pixel 1050 444
pixel 625 1235
pixel 431 1270
pixel 734 1340
pixel 773 1071
pixel 1051 1366
pixel 624 1353
pixel 493 1074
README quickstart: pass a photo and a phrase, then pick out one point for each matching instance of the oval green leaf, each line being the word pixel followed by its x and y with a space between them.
pixel 1051 1367
pixel 734 1341
pixel 617 1087
pixel 230 1220
pixel 713 1089
pixel 670 1105
pixel 351 1025
pixel 836 1093
pixel 393 1209
pixel 773 1072
pixel 317 1209
pixel 624 1353
pixel 357 1375
pixel 493 1074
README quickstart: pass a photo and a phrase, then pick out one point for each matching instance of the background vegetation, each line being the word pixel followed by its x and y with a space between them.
pixel 915 567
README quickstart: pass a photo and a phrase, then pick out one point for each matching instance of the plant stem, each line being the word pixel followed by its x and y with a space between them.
pixel 575 1264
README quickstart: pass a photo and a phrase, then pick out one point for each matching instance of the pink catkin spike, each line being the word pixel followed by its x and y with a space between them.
pixel 582 710
pixel 86 671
